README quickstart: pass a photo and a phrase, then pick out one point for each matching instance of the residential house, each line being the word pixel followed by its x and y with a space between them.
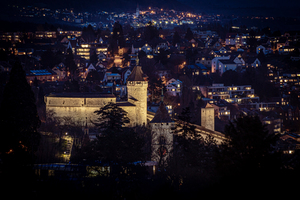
pixel 253 62
pixel 161 71
pixel 290 117
pixel 60 71
pixel 5 66
pixel 215 63
pixel 221 111
pixel 230 39
pixel 147 49
pixel 225 65
pixel 111 77
pixel 125 72
pixel 196 69
pixel 231 94
pixel 204 60
pixel 224 50
pixel 174 87
pixel 42 75
pixel 273 124
pixel 266 49
pixel 162 45
pixel 285 50
pixel 282 42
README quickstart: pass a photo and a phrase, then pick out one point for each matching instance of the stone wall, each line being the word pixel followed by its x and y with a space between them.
pixel 208 118
pixel 78 109
pixel 137 95
pixel 161 130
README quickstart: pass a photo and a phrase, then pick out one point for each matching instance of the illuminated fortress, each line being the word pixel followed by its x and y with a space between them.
pixel 80 107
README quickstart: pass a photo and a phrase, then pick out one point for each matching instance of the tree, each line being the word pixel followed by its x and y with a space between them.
pixel 249 147
pixel 150 32
pixel 230 77
pixel 111 118
pixel 189 34
pixel 191 162
pixel 88 34
pixel 185 128
pixel 116 144
pixel 19 121
pixel 70 63
pixel 49 59
pixel 252 41
pixel 118 35
pixel 176 38
pixel 190 55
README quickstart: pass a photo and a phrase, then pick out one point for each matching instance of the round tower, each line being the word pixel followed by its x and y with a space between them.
pixel 137 94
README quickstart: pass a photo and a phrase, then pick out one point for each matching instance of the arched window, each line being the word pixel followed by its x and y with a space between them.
pixel 162 140
pixel 162 151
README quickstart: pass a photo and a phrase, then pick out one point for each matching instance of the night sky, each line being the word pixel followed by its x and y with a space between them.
pixel 262 7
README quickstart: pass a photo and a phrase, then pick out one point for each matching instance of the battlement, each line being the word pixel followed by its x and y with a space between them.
pixel 78 100
pixel 137 83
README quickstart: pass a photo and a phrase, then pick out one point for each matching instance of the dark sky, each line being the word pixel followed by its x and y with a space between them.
pixel 262 7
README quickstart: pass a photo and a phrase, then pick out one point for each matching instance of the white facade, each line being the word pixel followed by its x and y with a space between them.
pixel 173 87
pixel 232 94
pixel 224 66
pixel 215 63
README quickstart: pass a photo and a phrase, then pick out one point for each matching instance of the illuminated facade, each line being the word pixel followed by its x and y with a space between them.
pixel 80 107
pixel 231 94
pixel 162 135
pixel 86 50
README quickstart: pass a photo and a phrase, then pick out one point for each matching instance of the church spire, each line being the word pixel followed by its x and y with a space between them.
pixel 137 10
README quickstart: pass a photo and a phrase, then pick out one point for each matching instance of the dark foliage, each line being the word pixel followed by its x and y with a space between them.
pixel 249 148
pixel 19 122
pixel 189 34
pixel 116 144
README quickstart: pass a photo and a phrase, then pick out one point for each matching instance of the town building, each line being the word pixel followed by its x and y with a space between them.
pixel 231 94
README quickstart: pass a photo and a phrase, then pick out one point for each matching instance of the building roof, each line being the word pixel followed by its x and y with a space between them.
pixel 227 61
pixel 41 72
pixel 161 115
pixel 136 74
pixel 81 95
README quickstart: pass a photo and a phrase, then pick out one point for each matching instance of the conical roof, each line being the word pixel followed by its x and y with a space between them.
pixel 208 106
pixel 161 115
pixel 136 74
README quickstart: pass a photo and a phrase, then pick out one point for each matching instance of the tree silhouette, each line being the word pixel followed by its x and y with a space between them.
pixel 88 34
pixel 70 63
pixel 111 118
pixel 150 32
pixel 19 121
pixel 189 34
pixel 176 38
pixel 249 147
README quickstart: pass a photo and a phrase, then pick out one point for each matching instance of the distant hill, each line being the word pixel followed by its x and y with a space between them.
pixel 229 7
pixel 247 7
pixel 106 5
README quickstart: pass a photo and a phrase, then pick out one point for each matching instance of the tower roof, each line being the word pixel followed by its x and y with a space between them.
pixel 136 74
pixel 208 106
pixel 161 115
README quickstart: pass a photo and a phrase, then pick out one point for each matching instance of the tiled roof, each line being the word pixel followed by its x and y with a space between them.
pixel 136 74
pixel 161 115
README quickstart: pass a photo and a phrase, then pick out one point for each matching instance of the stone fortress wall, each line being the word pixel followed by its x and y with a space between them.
pixel 79 109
